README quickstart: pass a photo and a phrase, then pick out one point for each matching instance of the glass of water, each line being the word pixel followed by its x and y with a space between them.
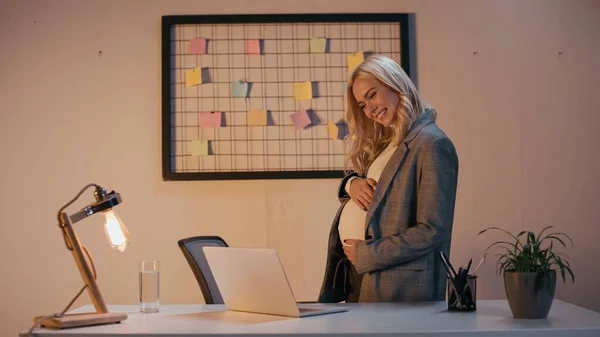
pixel 149 286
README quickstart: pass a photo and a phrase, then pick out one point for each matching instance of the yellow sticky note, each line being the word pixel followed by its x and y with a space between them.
pixel 317 45
pixel 199 148
pixel 355 59
pixel 332 129
pixel 257 117
pixel 302 90
pixel 193 76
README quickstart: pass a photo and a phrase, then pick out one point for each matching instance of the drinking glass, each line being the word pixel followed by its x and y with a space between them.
pixel 149 286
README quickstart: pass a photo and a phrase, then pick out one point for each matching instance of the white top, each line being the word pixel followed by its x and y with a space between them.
pixel 491 319
pixel 352 219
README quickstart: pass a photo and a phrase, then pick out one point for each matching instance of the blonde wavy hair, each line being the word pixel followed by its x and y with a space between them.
pixel 368 138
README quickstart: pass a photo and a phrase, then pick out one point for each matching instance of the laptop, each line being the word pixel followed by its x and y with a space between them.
pixel 253 280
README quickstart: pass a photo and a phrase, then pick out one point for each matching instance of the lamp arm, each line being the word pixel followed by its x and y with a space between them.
pixel 61 220
pixel 72 201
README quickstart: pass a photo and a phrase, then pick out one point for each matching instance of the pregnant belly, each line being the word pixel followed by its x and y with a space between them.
pixel 352 222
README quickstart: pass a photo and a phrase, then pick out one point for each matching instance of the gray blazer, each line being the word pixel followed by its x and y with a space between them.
pixel 409 221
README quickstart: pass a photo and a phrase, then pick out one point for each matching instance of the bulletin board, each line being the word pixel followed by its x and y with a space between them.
pixel 263 96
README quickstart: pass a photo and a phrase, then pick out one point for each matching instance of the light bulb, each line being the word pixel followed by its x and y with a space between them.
pixel 117 235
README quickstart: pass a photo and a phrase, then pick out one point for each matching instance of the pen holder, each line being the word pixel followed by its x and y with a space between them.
pixel 464 300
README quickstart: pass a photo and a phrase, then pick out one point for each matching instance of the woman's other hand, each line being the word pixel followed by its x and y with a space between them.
pixel 350 249
pixel 361 191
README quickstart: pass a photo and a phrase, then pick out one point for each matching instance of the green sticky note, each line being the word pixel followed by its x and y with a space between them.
pixel 317 45
pixel 239 89
pixel 199 148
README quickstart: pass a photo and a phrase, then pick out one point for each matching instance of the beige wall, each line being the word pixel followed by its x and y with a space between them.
pixel 523 118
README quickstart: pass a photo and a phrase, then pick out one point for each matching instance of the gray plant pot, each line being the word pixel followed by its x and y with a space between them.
pixel 530 295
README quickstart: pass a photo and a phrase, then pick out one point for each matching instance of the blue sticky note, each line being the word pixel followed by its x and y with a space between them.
pixel 239 89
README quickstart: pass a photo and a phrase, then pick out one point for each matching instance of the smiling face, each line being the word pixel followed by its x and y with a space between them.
pixel 377 101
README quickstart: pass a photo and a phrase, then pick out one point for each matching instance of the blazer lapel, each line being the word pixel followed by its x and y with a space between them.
pixel 387 175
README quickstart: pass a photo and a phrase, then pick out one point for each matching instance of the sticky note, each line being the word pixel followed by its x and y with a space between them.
pixel 199 148
pixel 355 59
pixel 257 117
pixel 317 45
pixel 198 46
pixel 209 119
pixel 332 130
pixel 193 76
pixel 252 47
pixel 300 119
pixel 302 90
pixel 239 89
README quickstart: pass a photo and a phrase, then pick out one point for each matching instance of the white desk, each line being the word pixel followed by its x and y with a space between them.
pixel 492 318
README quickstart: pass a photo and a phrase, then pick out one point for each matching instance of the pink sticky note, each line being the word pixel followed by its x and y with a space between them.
pixel 198 46
pixel 210 120
pixel 252 46
pixel 300 119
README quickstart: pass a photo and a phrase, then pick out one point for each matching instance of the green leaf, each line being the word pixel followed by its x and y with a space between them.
pixel 554 238
pixel 565 235
pixel 500 243
pixel 570 273
pixel 500 229
pixel 530 238
pixel 504 266
pixel 563 254
pixel 539 238
pixel 561 266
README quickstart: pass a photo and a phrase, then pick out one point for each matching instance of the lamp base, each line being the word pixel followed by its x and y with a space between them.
pixel 82 319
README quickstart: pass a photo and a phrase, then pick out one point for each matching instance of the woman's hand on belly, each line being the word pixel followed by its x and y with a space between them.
pixel 361 191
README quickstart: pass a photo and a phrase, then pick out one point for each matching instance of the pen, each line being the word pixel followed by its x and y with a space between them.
pixel 460 278
pixel 469 266
pixel 479 264
pixel 447 262
pixel 451 276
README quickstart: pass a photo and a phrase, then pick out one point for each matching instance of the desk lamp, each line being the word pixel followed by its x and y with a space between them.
pixel 117 237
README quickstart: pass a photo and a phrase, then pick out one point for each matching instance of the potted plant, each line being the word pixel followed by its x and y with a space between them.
pixel 529 270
